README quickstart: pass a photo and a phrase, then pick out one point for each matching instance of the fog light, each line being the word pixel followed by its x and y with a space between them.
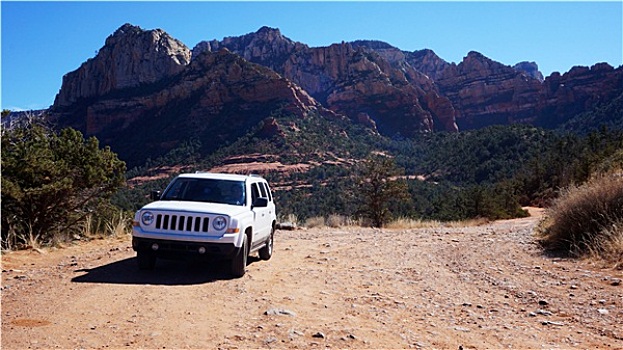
pixel 202 250
pixel 155 246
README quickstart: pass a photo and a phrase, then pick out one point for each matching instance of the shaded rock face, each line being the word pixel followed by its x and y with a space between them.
pixel 484 92
pixel 143 88
pixel 409 92
pixel 130 57
pixel 580 89
pixel 216 98
pixel 352 79
pixel 531 69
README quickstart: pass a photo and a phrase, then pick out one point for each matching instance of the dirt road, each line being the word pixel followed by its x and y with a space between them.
pixel 472 287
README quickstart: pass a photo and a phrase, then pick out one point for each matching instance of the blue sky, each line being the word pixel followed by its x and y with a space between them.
pixel 42 41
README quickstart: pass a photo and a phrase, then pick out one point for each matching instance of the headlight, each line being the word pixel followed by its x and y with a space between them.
pixel 147 218
pixel 219 223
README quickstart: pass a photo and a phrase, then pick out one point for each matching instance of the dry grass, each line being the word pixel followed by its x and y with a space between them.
pixel 610 246
pixel 587 220
pixel 336 221
pixel 290 218
pixel 467 223
pixel 117 226
pixel 315 222
pixel 408 223
pixel 333 221
pixel 88 226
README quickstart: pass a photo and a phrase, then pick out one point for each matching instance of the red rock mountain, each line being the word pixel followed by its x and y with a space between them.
pixel 351 80
pixel 405 92
pixel 216 98
pixel 130 57
pixel 145 85
pixel 485 92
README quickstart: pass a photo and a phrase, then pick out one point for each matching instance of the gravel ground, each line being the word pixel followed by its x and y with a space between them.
pixel 479 287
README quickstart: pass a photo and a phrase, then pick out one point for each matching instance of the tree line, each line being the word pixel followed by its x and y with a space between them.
pixel 53 180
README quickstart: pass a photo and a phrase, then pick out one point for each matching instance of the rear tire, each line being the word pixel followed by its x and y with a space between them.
pixel 146 260
pixel 267 251
pixel 239 263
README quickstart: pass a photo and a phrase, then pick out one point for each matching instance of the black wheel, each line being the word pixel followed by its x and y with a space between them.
pixel 267 251
pixel 146 260
pixel 239 263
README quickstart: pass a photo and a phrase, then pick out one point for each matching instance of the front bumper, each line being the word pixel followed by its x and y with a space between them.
pixel 179 249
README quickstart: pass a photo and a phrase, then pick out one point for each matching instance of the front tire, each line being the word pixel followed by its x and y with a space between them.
pixel 267 251
pixel 239 263
pixel 146 260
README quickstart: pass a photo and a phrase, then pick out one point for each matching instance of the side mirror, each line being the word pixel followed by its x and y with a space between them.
pixel 155 195
pixel 261 202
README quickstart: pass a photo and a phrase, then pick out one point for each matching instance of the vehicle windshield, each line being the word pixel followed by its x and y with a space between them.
pixel 206 190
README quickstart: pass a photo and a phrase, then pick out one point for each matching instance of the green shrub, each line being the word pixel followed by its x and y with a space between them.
pixel 51 182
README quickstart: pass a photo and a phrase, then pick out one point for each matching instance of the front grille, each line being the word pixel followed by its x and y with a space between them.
pixel 182 223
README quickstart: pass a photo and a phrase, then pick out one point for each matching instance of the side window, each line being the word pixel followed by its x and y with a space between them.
pixel 263 190
pixel 255 193
pixel 270 195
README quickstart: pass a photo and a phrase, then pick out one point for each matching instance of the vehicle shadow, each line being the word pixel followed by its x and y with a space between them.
pixel 166 272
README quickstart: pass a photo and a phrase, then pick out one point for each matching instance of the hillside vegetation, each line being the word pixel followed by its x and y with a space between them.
pixel 490 172
pixel 317 164
pixel 487 173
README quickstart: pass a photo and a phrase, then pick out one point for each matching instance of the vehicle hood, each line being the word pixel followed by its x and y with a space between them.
pixel 196 207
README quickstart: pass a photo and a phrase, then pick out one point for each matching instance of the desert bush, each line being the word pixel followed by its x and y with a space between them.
pixel 317 221
pixel 381 188
pixel 291 218
pixel 336 221
pixel 587 219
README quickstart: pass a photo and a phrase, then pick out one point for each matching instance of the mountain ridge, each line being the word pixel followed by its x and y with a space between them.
pixel 145 77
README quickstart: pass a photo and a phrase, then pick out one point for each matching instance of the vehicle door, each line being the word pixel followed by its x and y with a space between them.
pixel 262 215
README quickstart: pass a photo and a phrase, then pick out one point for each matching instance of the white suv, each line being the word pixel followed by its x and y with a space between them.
pixel 207 215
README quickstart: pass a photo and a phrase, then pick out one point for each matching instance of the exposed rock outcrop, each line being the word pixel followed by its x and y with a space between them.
pixel 267 47
pixel 484 92
pixel 143 87
pixel 531 69
pixel 130 57
pixel 216 98
pixel 579 90
pixel 424 61
pixel 352 79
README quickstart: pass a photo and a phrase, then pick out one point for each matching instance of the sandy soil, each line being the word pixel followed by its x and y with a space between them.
pixel 471 288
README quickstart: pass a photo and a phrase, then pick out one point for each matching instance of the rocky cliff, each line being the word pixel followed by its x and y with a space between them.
pixel 130 57
pixel 216 98
pixel 582 88
pixel 424 61
pixel 403 92
pixel 531 69
pixel 143 86
pixel 484 92
pixel 351 79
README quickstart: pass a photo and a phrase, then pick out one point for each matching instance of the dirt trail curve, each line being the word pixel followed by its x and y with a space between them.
pixel 472 287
